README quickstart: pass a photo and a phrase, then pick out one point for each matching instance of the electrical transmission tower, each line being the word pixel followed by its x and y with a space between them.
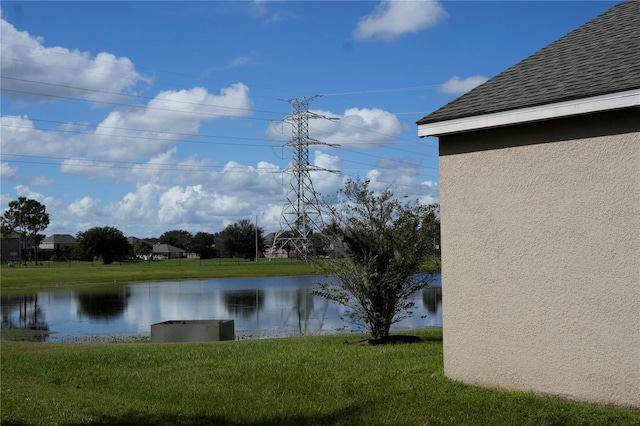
pixel 301 214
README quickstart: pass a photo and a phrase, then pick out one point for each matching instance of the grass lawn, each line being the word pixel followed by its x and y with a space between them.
pixel 49 274
pixel 298 381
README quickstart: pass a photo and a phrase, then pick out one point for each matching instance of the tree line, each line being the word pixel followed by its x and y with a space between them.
pixel 28 218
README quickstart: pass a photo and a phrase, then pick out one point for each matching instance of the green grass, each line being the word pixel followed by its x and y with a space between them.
pixel 298 381
pixel 49 274
pixel 68 273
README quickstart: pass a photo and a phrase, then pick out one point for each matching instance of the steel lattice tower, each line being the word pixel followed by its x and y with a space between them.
pixel 301 214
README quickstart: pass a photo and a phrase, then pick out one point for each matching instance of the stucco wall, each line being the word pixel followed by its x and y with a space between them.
pixel 540 257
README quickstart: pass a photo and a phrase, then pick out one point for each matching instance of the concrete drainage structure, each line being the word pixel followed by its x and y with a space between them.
pixel 192 331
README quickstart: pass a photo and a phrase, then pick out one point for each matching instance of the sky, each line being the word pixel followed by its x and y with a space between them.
pixel 154 116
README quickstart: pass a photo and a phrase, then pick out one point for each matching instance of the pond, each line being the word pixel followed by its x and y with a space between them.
pixel 260 307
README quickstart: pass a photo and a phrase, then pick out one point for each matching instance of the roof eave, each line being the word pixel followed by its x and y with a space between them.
pixel 600 103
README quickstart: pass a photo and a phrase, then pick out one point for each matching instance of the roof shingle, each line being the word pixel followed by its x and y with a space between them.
pixel 598 58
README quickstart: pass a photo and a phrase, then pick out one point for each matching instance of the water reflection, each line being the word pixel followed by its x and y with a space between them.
pixel 260 307
pixel 432 299
pixel 244 303
pixel 24 313
pixel 103 305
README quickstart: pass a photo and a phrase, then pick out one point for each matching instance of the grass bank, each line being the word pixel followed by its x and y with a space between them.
pixel 49 274
pixel 299 381
pixel 67 273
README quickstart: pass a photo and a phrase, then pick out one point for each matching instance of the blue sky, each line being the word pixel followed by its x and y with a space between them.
pixel 153 116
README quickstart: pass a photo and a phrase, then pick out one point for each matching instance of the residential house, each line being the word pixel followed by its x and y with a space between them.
pixel 271 252
pixel 540 208
pixel 9 249
pixel 56 244
pixel 168 251
pixel 57 241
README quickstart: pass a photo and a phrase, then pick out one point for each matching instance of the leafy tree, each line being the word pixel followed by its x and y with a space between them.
pixel 203 243
pixel 143 249
pixel 63 253
pixel 177 238
pixel 106 242
pixel 239 239
pixel 385 243
pixel 27 218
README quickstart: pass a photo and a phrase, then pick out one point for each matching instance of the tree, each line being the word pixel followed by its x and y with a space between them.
pixel 203 243
pixel 108 243
pixel 239 239
pixel 177 238
pixel 142 249
pixel 27 218
pixel 385 243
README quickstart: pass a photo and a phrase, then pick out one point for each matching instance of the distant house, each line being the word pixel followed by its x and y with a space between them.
pixel 273 253
pixel 540 207
pixel 10 247
pixel 57 241
pixel 168 251
pixel 58 245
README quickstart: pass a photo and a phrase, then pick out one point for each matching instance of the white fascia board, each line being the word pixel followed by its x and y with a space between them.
pixel 542 112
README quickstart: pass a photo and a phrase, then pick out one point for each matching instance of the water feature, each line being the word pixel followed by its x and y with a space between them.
pixel 260 307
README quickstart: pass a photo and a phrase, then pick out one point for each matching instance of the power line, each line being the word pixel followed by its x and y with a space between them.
pixel 391 90
pixel 254 118
pixel 120 164
pixel 142 67
pixel 148 137
pixel 301 214
pixel 84 89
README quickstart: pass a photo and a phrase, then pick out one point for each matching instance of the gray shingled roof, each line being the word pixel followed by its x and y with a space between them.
pixel 600 57
pixel 60 239
pixel 167 248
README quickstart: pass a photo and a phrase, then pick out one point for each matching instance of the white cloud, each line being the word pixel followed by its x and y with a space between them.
pixel 25 191
pixel 393 18
pixel 137 206
pixel 34 73
pixel 326 182
pixel 92 169
pixel 249 181
pixel 7 172
pixel 163 122
pixel 39 180
pixel 355 128
pixel 5 199
pixel 186 194
pixel 81 214
pixel 400 175
pixel 457 86
pixel 159 168
pixel 358 128
pixel 242 61
pixel 259 7
pixel 84 208
pixel 194 204
pixel 165 119
pixel 432 192
pixel 18 136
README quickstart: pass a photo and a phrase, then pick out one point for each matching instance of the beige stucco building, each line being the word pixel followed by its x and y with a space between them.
pixel 540 209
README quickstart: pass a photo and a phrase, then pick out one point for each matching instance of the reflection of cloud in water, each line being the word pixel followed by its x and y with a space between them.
pixel 283 306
